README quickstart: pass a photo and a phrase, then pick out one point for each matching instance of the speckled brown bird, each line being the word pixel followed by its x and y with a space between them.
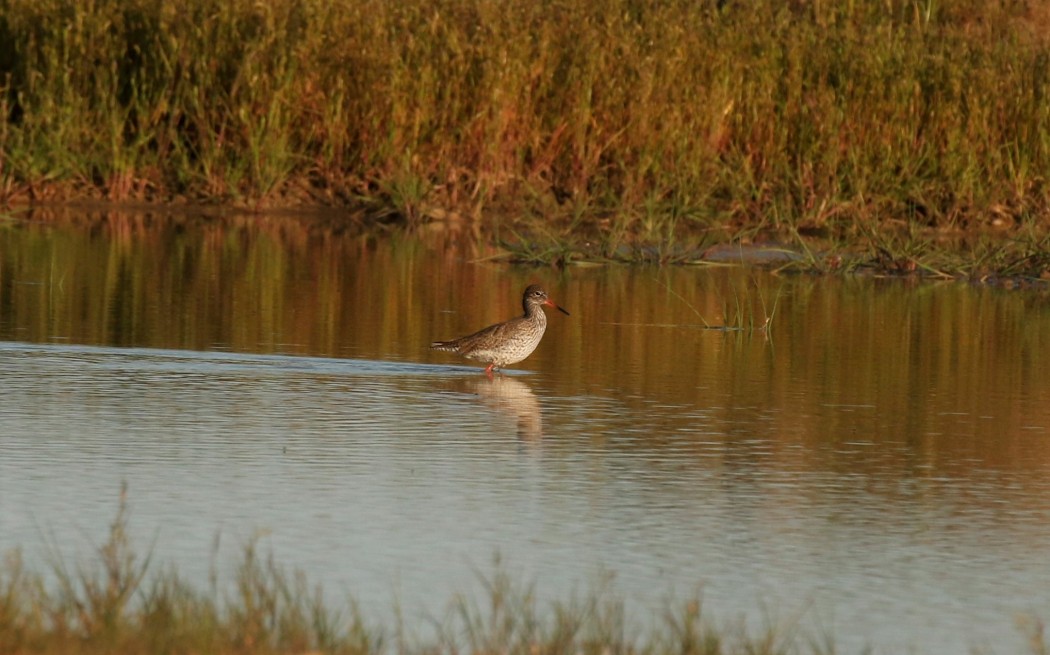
pixel 509 342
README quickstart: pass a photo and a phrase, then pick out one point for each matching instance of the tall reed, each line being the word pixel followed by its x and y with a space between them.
pixel 622 117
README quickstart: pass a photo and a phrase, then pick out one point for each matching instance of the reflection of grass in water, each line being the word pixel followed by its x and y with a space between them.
pixel 114 606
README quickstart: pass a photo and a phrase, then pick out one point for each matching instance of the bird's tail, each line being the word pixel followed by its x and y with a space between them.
pixel 449 346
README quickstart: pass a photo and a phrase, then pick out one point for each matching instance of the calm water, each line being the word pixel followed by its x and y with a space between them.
pixel 876 468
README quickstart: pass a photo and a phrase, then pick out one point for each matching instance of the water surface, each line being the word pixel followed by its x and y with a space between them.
pixel 876 464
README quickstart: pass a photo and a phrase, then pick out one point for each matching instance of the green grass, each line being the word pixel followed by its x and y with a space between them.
pixel 631 130
pixel 117 603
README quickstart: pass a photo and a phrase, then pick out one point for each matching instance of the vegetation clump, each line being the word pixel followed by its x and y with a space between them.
pixel 615 129
pixel 114 605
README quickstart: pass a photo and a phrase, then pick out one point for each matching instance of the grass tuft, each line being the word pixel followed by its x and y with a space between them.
pixel 115 604
pixel 740 313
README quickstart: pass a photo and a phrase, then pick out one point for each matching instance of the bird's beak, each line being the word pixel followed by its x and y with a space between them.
pixel 550 303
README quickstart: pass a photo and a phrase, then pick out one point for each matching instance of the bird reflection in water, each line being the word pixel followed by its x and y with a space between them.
pixel 514 399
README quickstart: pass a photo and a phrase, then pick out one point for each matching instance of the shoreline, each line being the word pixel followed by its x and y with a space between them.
pixel 1003 257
